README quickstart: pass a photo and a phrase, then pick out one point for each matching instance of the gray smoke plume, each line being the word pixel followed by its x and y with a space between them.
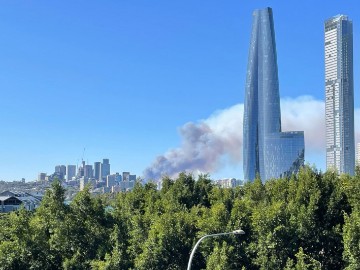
pixel 205 144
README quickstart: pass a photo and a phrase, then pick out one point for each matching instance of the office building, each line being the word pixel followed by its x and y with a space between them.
pixel 70 172
pixel 339 95
pixel 358 155
pixel 42 177
pixel 118 177
pixel 110 180
pixel 105 168
pixel 60 170
pixel 97 170
pixel 88 171
pixel 126 176
pixel 267 151
pixel 126 185
pixel 81 170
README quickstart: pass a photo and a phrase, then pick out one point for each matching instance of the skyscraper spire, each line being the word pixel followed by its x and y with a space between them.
pixel 267 151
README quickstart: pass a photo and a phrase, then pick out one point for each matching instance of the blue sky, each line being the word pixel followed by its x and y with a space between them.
pixel 121 78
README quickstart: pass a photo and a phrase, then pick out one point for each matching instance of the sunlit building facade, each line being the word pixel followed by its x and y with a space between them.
pixel 267 151
pixel 339 95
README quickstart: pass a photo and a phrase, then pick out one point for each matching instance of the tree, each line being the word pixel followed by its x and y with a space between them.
pixel 220 258
pixel 45 226
pixel 303 262
pixel 169 243
pixel 351 236
pixel 15 241
pixel 86 232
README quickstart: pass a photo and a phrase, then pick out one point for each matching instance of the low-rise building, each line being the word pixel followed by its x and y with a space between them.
pixel 12 201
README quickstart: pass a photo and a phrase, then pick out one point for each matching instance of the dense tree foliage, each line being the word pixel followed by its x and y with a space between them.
pixel 310 221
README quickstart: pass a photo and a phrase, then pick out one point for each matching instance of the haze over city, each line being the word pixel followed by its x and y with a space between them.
pixel 151 86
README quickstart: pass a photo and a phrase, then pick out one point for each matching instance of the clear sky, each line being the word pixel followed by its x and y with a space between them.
pixel 122 78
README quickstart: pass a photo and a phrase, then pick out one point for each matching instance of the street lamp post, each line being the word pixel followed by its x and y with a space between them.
pixel 206 236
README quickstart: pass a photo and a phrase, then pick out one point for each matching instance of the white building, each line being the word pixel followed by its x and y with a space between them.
pixel 339 94
pixel 83 183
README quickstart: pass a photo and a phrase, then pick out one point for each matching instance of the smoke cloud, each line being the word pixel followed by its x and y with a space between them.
pixel 204 143
pixel 305 114
pixel 207 143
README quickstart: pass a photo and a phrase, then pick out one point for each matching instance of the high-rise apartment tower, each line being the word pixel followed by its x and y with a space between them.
pixel 339 95
pixel 268 152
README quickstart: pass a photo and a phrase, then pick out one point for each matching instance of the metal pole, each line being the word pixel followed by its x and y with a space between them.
pixel 209 235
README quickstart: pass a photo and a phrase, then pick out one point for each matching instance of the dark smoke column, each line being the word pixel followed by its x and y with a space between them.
pixel 267 151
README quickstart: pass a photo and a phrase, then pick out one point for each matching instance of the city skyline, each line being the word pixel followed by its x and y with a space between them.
pixel 132 82
pixel 267 151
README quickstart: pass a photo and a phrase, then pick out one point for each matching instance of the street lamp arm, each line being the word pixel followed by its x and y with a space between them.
pixel 206 236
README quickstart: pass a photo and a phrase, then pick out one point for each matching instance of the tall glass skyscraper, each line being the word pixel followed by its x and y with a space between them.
pixel 267 151
pixel 339 94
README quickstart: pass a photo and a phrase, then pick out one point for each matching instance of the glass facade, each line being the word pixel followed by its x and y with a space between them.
pixel 339 95
pixel 267 151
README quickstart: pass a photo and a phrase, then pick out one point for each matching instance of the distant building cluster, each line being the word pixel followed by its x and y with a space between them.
pixel 97 176
pixel 267 151
pixel 228 183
